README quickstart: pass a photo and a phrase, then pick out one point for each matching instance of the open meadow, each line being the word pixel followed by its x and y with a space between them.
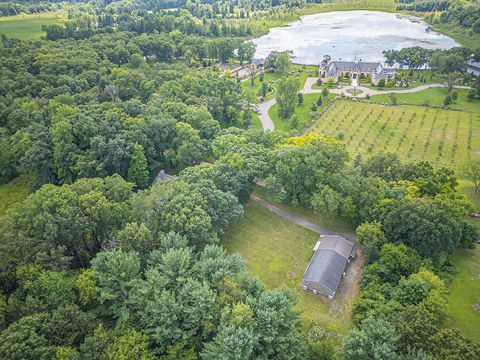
pixel 278 252
pixel 444 137
pixel 28 26
pixel 464 293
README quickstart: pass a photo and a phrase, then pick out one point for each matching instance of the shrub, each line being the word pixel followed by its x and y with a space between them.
pixel 264 90
pixel 393 99
pixel 324 92
pixel 447 101
pixel 294 121
pixel 300 98
pixel 472 94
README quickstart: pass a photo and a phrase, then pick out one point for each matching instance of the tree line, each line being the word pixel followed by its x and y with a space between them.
pixel 410 217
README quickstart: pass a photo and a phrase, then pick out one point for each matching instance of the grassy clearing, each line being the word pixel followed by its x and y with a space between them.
pixel 278 252
pixel 443 137
pixel 461 35
pixel 13 192
pixel 301 71
pixel 29 26
pixel 464 293
pixel 303 111
pixel 333 223
pixel 345 5
pixel 432 97
pixel 466 188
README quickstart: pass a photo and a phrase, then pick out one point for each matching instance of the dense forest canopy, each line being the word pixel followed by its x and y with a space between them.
pixel 98 264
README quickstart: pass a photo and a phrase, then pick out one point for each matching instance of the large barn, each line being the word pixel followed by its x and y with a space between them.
pixel 332 253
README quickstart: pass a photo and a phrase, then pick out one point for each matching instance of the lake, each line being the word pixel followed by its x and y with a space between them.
pixel 344 34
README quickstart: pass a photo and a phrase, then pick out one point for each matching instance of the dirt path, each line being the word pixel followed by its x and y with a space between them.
pixel 349 287
pixel 299 220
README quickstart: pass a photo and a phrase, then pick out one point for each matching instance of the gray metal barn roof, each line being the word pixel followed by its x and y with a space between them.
pixel 326 267
pixel 329 261
pixel 338 244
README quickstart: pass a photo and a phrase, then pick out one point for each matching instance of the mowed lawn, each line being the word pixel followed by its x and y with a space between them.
pixel 434 97
pixel 28 26
pixel 13 192
pixel 444 137
pixel 302 72
pixel 278 252
pixel 464 297
pixel 302 111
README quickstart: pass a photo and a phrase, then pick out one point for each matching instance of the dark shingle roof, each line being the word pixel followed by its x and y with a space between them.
pixel 360 65
pixel 258 62
pixel 326 267
pixel 473 63
pixel 336 243
pixel 329 261
pixel 162 176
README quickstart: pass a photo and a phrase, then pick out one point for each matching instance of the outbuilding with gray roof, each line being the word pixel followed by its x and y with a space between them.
pixel 332 253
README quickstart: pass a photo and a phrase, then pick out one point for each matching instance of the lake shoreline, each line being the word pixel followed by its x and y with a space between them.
pixel 459 37
pixel 346 35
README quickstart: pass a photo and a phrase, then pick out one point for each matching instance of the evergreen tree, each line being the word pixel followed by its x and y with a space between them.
pixel 138 168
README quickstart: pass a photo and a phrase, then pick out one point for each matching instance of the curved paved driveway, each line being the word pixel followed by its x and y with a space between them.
pixel 267 122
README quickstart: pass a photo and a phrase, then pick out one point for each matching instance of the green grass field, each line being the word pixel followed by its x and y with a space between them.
pixel 344 5
pixel 303 112
pixel 461 35
pixel 13 192
pixel 466 188
pixel 444 137
pixel 434 97
pixel 303 71
pixel 28 26
pixel 464 293
pixel 278 252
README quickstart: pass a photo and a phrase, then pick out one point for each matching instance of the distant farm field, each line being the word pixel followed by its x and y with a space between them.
pixel 28 26
pixel 444 137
